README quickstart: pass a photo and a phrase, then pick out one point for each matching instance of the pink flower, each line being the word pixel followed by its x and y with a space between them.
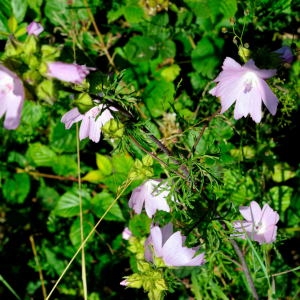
pixel 92 121
pixel 126 234
pixel 124 282
pixel 34 28
pixel 286 54
pixel 152 194
pixel 168 246
pixel 260 224
pixel 68 72
pixel 246 86
pixel 12 97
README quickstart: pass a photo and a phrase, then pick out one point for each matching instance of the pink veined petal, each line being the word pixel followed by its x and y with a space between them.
pixel 13 111
pixel 249 103
pixel 137 199
pixel 84 128
pixel 270 234
pixel 152 204
pixel 172 249
pixel 257 237
pixel 251 213
pixel 71 117
pixel 156 236
pixel 268 97
pixel 262 73
pixel 175 254
pixel 95 130
pixel 166 232
pixel 197 260
pixel 229 91
pixel 269 216
pixel 231 64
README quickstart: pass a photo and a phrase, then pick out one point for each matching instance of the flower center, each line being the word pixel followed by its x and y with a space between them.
pixel 259 228
pixel 250 78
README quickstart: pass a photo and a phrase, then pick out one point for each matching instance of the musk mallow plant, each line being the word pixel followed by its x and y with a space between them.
pixel 200 163
pixel 91 121
pixel 246 87
pixel 259 224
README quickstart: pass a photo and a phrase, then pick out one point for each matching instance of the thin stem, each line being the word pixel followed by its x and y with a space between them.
pixel 245 269
pixel 127 183
pixel 83 264
pixel 36 259
pixel 102 44
pixel 51 176
pixel 9 287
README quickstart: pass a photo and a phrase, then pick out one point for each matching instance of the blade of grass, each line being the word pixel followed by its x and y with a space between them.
pixel 9 287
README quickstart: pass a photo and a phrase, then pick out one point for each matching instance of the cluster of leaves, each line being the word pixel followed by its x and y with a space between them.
pixel 155 62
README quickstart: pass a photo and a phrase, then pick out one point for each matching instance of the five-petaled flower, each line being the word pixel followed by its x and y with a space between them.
pixel 12 96
pixel 34 28
pixel 153 194
pixel 92 121
pixel 246 86
pixel 163 243
pixel 260 224
pixel 68 72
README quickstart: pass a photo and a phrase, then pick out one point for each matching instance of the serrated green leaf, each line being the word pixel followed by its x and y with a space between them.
pixel 62 140
pixel 68 205
pixel 100 204
pixel 104 164
pixel 133 13
pixel 204 57
pixel 282 172
pixel 170 73
pixel 19 8
pixel 140 49
pixel 41 155
pixel 65 165
pixel 158 95
pixel 16 189
pixel 281 196
pixel 94 176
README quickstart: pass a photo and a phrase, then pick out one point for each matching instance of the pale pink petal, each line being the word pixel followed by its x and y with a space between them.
pixel 68 72
pixel 268 97
pixel 34 28
pixel 156 237
pixel 13 111
pixel 269 216
pixel 71 117
pixel 230 64
pixel 12 96
pixel 84 128
pixel 137 199
pixel 251 213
